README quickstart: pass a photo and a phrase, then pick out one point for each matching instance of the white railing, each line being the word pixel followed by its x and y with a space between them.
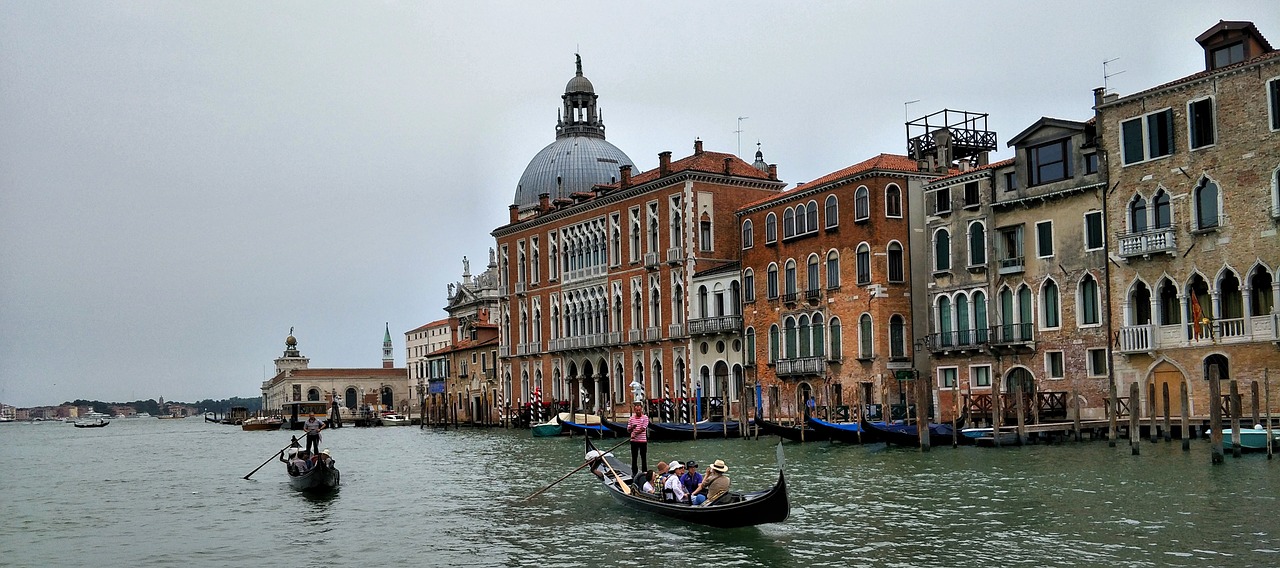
pixel 1233 327
pixel 652 334
pixel 615 337
pixel 1136 339
pixel 715 324
pixel 633 335
pixel 651 259
pixel 502 290
pixel 1011 265
pixel 675 330
pixel 1147 243
pixel 521 287
pixel 504 350
pixel 675 255
pixel 801 366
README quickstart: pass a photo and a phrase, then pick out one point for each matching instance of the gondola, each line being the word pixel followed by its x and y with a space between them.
pixel 907 434
pixel 795 433
pixel 680 431
pixel 847 432
pixel 322 477
pixel 734 510
pixel 597 430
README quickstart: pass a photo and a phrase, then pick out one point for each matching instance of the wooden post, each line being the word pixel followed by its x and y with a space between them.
pixel 924 395
pixel 1257 417
pixel 1186 415
pixel 1235 418
pixel 1114 403
pixel 997 413
pixel 1215 415
pixel 1135 432
pixel 1168 412
pixel 1266 388
pixel 955 418
pixel 1152 431
pixel 1075 399
pixel 1019 394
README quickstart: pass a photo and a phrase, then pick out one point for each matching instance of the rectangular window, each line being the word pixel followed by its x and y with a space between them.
pixel 1093 230
pixel 1044 239
pixel 942 201
pixel 980 376
pixel 1200 123
pixel 1147 137
pixel 972 196
pixel 947 377
pixel 1049 162
pixel 1273 95
pixel 1097 362
pixel 1091 163
pixel 1011 181
pixel 1009 247
pixel 1227 55
pixel 1053 364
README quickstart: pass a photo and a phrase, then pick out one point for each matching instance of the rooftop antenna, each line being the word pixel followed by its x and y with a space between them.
pixel 1106 75
pixel 906 112
pixel 739 133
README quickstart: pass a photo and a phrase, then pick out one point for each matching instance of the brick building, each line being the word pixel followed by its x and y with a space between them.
pixel 826 289
pixel 1193 216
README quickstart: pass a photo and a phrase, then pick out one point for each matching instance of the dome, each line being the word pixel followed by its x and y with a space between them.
pixel 579 84
pixel 290 341
pixel 579 163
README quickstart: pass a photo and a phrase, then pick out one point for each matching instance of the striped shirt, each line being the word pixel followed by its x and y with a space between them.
pixel 638 426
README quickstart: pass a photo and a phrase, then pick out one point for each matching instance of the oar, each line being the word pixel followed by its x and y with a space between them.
pixel 579 468
pixel 616 477
pixel 264 464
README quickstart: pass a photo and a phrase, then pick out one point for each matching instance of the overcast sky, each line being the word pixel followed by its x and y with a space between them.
pixel 182 182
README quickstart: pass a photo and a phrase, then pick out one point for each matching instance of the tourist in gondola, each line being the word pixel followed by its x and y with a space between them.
pixel 638 431
pixel 313 427
pixel 297 465
pixel 691 478
pixel 674 490
pixel 714 485
pixel 645 481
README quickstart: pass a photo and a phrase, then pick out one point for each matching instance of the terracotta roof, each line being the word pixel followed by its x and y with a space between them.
pixel 1203 74
pixel 890 162
pixel 429 325
pixel 991 166
pixel 709 162
pixel 354 373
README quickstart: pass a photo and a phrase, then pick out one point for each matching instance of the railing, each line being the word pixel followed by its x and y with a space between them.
pixel 521 287
pixel 1011 265
pixel 675 330
pixel 502 291
pixel 614 337
pixel 812 294
pixel 675 255
pixel 633 335
pixel 958 340
pixel 651 260
pixel 801 366
pixel 1233 327
pixel 1136 339
pixel 715 324
pixel 588 272
pixel 504 350
pixel 1147 243
pixel 1013 333
pixel 652 333
pixel 789 297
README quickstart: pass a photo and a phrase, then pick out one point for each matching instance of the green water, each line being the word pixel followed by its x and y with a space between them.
pixel 170 492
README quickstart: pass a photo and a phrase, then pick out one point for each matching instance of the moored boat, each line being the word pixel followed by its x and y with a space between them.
pixel 734 509
pixel 680 431
pixel 585 424
pixel 908 435
pixel 847 432
pixel 793 432
pixel 987 437
pixel 1251 438
pixel 394 419
pixel 547 429
pixel 262 423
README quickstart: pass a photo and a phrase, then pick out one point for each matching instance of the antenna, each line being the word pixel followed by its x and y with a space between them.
pixel 1106 75
pixel 739 133
pixel 906 112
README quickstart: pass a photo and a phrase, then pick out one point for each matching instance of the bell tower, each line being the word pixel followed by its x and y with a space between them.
pixel 388 360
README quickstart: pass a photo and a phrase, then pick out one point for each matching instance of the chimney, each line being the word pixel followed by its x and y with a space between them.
pixel 1110 97
pixel 515 212
pixel 697 146
pixel 544 201
pixel 727 161
pixel 1099 96
pixel 773 172
pixel 664 163
pixel 625 172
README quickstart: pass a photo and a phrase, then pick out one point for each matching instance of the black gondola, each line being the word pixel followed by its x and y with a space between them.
pixel 793 432
pixel 846 432
pixel 680 431
pixel 908 435
pixel 323 476
pixel 733 510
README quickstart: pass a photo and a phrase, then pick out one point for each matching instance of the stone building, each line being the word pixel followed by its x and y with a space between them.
pixel 594 282
pixel 826 289
pixel 1195 169
pixel 460 381
pixel 718 356
pixel 295 380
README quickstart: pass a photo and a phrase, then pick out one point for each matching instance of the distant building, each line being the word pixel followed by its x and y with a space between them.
pixel 381 387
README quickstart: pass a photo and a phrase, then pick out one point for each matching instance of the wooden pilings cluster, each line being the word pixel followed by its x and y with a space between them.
pixel 1160 424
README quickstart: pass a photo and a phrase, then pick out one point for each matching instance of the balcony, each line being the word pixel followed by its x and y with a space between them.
pixel 789 297
pixel 651 260
pixel 1147 243
pixel 652 333
pixel 813 294
pixel 502 291
pixel 583 273
pixel 521 287
pixel 801 366
pixel 530 348
pixel 633 336
pixel 1012 335
pixel 504 350
pixel 716 324
pixel 1011 265
pixel 1137 339
pixel 675 255
pixel 675 330
pixel 963 340
pixel 614 338
pixel 1230 328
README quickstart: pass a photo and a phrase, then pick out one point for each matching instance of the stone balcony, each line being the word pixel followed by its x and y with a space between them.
pixel 716 324
pixel 1147 243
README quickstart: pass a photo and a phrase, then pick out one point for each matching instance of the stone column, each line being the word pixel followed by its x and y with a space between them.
pixel 1245 293
pixel 1184 305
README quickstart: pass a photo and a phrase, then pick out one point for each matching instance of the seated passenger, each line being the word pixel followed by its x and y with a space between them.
pixel 673 490
pixel 691 478
pixel 714 485
pixel 645 481
pixel 298 465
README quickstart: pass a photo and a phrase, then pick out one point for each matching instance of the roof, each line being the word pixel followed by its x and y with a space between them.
pixel 991 166
pixel 1226 25
pixel 889 162
pixel 437 323
pixel 709 162
pixel 731 266
pixel 1043 122
pixel 372 371
pixel 1197 76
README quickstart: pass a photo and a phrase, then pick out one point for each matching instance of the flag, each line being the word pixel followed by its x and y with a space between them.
pixel 1197 314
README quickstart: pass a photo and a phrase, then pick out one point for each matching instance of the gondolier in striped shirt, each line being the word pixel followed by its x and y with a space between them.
pixel 638 431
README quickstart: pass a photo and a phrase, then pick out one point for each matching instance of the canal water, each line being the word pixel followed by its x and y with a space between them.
pixel 149 492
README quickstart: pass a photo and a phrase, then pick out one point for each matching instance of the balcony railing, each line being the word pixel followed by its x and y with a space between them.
pixel 812 294
pixel 502 291
pixel 1148 243
pixel 652 333
pixel 789 297
pixel 633 335
pixel 675 255
pixel 1230 327
pixel 504 350
pixel 801 366
pixel 1137 339
pixel 958 340
pixel 614 337
pixel 521 287
pixel 675 330
pixel 715 324
pixel 587 272
pixel 1011 334
pixel 651 260
pixel 1011 265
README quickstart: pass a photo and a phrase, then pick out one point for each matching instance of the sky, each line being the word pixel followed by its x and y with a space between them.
pixel 181 183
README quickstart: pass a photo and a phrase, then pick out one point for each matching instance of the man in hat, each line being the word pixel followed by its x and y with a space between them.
pixel 674 489
pixel 691 478
pixel 714 485
pixel 313 427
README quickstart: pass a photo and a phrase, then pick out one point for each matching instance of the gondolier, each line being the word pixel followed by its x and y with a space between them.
pixel 638 431
pixel 313 428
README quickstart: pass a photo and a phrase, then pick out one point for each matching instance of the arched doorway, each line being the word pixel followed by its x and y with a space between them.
pixel 586 393
pixel 1162 375
pixel 349 398
pixel 803 391
pixel 388 398
pixel 1018 377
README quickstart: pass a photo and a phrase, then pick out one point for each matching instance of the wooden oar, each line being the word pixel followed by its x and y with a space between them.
pixel 616 477
pixel 264 464
pixel 576 470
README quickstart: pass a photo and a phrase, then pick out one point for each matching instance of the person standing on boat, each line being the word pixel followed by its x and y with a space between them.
pixel 313 427
pixel 638 431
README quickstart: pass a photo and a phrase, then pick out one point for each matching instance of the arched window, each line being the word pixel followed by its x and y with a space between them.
pixel 748 285
pixel 897 337
pixel 1206 204
pixel 313 395
pixel 772 281
pixel 864 264
pixel 703 301
pixel 941 250
pixel 833 270
pixel 865 338
pixel 1170 305
pixel 836 345
pixel 1163 212
pixel 832 213
pixel 977 244
pixel 892 201
pixel 812 281
pixel 1261 301
pixel 819 341
pixel 1139 312
pixel 735 298
pixel 981 326
pixel 788 223
pixel 1050 314
pixel 748 236
pixel 1025 308
pixel 773 343
pixel 1220 362
pixel 750 344
pixel 789 338
pixel 1089 313
pixel 944 322
pixel 790 278
pixel 1137 214
pixel 806 338
pixel 1232 303
pixel 861 204
pixel 770 228
pixel 801 227
pixel 896 270
pixel 962 319
pixel 705 241
pixel 811 226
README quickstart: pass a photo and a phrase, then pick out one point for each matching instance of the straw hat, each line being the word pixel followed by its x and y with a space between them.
pixel 719 466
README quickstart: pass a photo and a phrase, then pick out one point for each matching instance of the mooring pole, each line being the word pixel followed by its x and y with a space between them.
pixel 1235 419
pixel 1135 431
pixel 1168 412
pixel 1186 416
pixel 1215 415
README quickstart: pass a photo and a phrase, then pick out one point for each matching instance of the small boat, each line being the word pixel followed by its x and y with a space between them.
pixel 735 509
pixel 262 423
pixel 322 477
pixel 847 432
pixel 394 419
pixel 585 427
pixel 547 429
pixel 680 431
pixel 907 434
pixel 100 423
pixel 986 437
pixel 1251 438
pixel 793 432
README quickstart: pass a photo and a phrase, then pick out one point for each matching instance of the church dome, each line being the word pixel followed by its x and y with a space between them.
pixel 580 158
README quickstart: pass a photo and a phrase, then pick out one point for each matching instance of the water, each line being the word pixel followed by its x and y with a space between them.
pixel 165 492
